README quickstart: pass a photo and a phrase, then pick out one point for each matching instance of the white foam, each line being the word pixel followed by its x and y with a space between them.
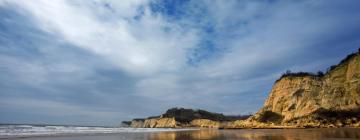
pixel 30 130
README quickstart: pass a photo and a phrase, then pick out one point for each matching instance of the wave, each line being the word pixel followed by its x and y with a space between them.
pixel 49 130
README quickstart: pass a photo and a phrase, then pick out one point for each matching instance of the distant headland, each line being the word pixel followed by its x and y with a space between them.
pixel 297 100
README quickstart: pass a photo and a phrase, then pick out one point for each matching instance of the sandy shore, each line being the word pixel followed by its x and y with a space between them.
pixel 213 134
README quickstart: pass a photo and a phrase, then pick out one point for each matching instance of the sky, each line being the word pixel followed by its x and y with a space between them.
pixel 99 62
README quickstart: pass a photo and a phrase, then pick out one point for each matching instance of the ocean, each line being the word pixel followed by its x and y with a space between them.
pixel 48 132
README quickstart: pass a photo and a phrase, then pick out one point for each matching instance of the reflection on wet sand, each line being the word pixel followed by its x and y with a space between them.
pixel 189 135
pixel 259 134
pixel 213 134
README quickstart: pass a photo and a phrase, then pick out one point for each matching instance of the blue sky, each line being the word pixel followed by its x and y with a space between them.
pixel 99 62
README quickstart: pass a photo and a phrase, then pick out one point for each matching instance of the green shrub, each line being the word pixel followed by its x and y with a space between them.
pixel 269 116
pixel 187 115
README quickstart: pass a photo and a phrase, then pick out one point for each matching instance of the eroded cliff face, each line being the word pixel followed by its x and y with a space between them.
pixel 206 123
pixel 295 97
pixel 154 123
pixel 292 97
pixel 160 123
pixel 137 123
pixel 172 123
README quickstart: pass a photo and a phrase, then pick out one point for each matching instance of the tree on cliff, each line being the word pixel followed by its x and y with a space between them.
pixel 187 115
pixel 320 74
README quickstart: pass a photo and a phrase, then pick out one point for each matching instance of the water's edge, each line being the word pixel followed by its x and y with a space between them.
pixel 22 131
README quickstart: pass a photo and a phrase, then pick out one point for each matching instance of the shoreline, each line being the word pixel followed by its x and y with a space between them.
pixel 206 131
pixel 46 131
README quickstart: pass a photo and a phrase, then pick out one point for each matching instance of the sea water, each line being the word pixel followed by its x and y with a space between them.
pixel 11 131
pixel 33 132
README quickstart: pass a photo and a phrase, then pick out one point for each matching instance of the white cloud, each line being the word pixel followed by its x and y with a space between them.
pixel 275 37
pixel 256 41
pixel 139 47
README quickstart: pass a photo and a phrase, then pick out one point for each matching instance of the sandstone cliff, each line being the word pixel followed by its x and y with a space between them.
pixel 137 123
pixel 296 100
pixel 330 99
pixel 205 123
pixel 160 123
pixel 180 117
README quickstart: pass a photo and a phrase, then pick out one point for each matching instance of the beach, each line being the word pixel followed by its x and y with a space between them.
pixel 213 134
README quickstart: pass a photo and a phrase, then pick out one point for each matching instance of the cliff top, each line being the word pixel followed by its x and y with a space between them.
pixel 187 115
pixel 319 74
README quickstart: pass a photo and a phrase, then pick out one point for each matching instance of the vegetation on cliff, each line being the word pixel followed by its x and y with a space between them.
pixel 187 115
pixel 288 73
pixel 183 115
pixel 125 123
pixel 319 74
pixel 269 116
pixel 346 59
pixel 328 118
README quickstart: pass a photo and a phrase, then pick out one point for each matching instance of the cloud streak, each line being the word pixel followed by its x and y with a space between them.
pixel 139 46
pixel 112 60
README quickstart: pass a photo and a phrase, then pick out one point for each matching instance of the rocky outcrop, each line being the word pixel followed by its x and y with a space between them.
pixel 310 100
pixel 205 123
pixel 160 123
pixel 154 123
pixel 137 123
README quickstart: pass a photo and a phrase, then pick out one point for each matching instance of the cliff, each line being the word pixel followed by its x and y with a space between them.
pixel 297 100
pixel 330 100
pixel 180 117
pixel 205 123
pixel 137 123
pixel 157 123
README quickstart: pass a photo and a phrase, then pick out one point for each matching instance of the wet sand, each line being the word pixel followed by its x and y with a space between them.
pixel 213 134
